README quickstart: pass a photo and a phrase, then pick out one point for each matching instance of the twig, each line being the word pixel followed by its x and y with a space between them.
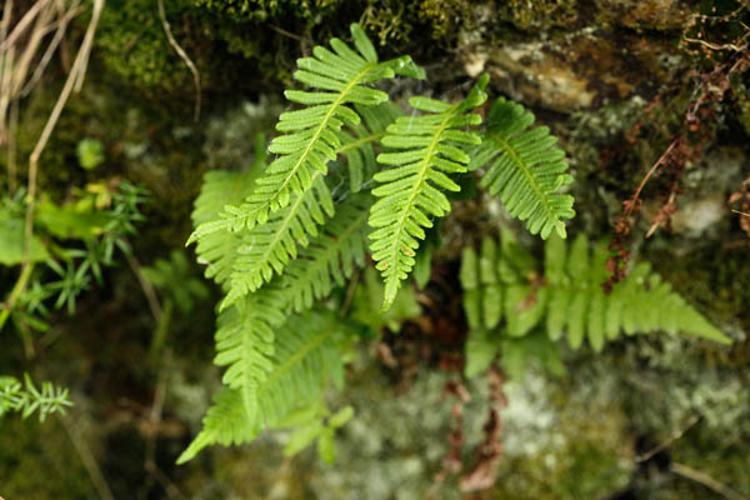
pixel 636 195
pixel 12 130
pixel 706 480
pixel 62 26
pixel 88 459
pixel 24 23
pixel 677 434
pixel 185 58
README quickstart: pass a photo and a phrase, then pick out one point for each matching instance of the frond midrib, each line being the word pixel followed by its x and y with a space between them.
pixel 424 168
pixel 362 141
pixel 265 256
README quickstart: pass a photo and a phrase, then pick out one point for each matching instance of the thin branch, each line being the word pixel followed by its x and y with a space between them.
pixel 677 434
pixel 62 99
pixel 706 480
pixel 649 174
pixel 62 26
pixel 185 58
pixel 24 23
pixel 147 287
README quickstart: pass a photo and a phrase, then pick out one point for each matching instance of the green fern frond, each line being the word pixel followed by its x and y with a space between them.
pixel 641 303
pixel 307 359
pixel 429 149
pixel 331 259
pixel 569 299
pixel 245 341
pixel 268 248
pixel 310 136
pixel 526 168
pixel 218 251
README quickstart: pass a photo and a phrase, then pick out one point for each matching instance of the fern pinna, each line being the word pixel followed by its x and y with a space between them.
pixel 525 168
pixel 507 295
pixel 429 147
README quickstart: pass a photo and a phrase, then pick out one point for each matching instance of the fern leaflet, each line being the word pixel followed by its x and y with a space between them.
pixel 269 247
pixel 526 168
pixel 429 149
pixel 569 299
pixel 245 345
pixel 307 359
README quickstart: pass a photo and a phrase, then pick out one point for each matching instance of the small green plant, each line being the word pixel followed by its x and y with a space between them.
pixel 356 179
pixel 71 245
pixel 25 398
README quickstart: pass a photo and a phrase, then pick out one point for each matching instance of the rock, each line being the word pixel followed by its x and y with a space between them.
pixel 581 70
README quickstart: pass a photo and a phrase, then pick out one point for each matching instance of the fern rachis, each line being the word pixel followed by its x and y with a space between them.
pixel 406 198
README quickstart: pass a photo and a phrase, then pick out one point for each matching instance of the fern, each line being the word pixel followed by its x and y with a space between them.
pixel 642 303
pixel 331 259
pixel 430 148
pixel 310 137
pixel 568 300
pixel 245 339
pixel 307 359
pixel 526 168
pixel 269 248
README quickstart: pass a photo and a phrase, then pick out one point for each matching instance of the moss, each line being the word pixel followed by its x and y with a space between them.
pixel 132 44
pixel 30 450
pixel 261 10
pixel 539 14
pixel 445 16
